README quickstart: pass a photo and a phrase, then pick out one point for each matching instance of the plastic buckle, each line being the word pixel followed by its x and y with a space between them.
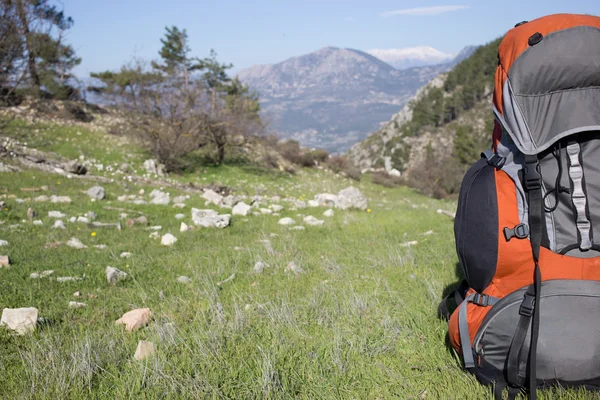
pixel 520 231
pixel 481 299
pixel 532 179
pixel 527 305
pixel 496 161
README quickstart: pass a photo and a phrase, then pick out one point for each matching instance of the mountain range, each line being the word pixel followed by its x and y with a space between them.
pixel 334 97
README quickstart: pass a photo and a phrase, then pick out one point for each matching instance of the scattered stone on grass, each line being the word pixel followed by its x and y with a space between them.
pixel 409 244
pixel 125 254
pixel 76 244
pixel 154 235
pixel 114 275
pixel 184 280
pixel 212 197
pixel 168 240
pixel 4 261
pixel 266 211
pixel 259 267
pixel 101 246
pixel 84 220
pixel 115 225
pixel 135 319
pixel 56 214
pixel 60 199
pixel 286 221
pixel 351 197
pixel 327 199
pixel 144 350
pixel 38 222
pixel 20 320
pixel 329 213
pixel 179 216
pixel 310 220
pixel 210 218
pixel 430 232
pixel 276 208
pixel 96 192
pixel 76 304
pixel 240 208
pixel 67 279
pixel 160 198
pixel 313 203
pixel 43 274
pixel 77 294
pixel 447 213
pixel 297 228
pixel 184 227
pixel 3 243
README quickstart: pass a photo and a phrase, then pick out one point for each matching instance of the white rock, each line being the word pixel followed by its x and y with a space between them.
pixel 351 197
pixel 313 203
pixel 329 213
pixel 67 279
pixel 300 204
pixel 75 304
pixel 259 267
pixel 38 222
pixel 60 199
pixel 297 228
pixel 135 319
pixel 310 220
pixel 179 205
pixel 168 240
pixel 161 198
pixel 180 199
pixel 286 221
pixel 395 172
pixel 144 350
pixel 96 192
pixel 84 220
pixel 3 243
pixel 179 216
pixel 184 280
pixel 276 208
pixel 113 275
pixel 19 201
pixel 210 219
pixel 155 228
pixel 20 320
pixel 266 211
pixel 154 235
pixel 184 227
pixel 125 254
pixel 56 214
pixel 76 244
pixel 101 246
pixel 72 219
pixel 212 197
pixel 43 274
pixel 41 199
pixel 241 208
pixel 409 244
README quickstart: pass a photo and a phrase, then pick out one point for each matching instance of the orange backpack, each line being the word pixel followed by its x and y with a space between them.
pixel 528 221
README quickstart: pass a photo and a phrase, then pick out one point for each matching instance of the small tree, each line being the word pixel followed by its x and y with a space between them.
pixel 175 55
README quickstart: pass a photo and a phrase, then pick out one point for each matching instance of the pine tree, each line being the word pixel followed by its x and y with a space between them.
pixel 174 53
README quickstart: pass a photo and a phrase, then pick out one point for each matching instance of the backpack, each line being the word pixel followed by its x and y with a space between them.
pixel 527 227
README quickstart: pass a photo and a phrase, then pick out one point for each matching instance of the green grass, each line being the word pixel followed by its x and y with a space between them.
pixel 360 323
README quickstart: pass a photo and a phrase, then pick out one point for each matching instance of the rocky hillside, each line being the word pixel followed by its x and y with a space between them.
pixel 334 97
pixel 448 121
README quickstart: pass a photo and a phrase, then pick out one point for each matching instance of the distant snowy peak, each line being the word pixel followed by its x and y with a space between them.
pixel 411 56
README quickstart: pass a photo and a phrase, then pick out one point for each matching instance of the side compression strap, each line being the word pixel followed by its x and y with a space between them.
pixel 533 186
pixel 578 196
pixel 463 325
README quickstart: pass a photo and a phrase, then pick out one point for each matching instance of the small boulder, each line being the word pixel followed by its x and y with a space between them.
pixel 184 227
pixel 56 214
pixel 76 304
pixel 310 220
pixel 3 243
pixel 327 199
pixel 210 219
pixel 266 211
pixel 241 208
pixel 160 198
pixel 76 244
pixel 286 221
pixel 144 350
pixel 125 254
pixel 97 193
pixel 179 216
pixel 168 240
pixel 60 199
pixel 135 319
pixel 20 320
pixel 212 197
pixel 329 213
pixel 313 203
pixel 113 275
pixel 184 280
pixel 351 197
pixel 276 208
pixel 259 267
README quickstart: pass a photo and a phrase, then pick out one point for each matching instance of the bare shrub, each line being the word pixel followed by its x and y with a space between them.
pixel 341 165
pixel 387 180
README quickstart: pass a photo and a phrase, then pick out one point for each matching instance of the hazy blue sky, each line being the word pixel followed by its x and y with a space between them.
pixel 108 33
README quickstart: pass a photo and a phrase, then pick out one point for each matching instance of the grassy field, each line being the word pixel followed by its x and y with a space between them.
pixel 359 323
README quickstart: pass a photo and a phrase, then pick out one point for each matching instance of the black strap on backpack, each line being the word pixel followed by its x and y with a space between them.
pixel 529 310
